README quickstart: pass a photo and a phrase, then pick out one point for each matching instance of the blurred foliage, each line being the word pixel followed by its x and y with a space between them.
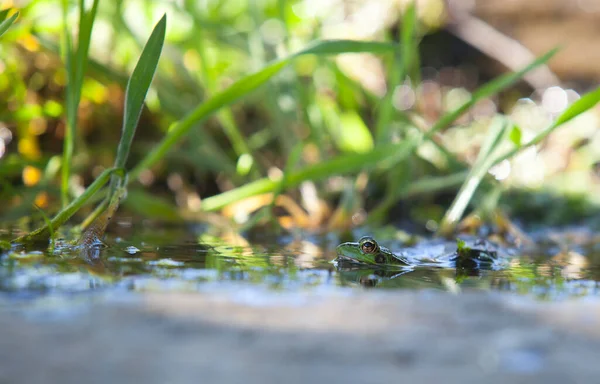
pixel 320 111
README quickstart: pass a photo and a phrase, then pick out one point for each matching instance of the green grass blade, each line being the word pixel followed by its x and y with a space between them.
pixel 409 46
pixel 403 59
pixel 487 90
pixel 485 160
pixel 135 94
pixel 248 84
pixel 86 23
pixel 76 63
pixel 137 88
pixel 585 103
pixel 507 80
pixel 71 108
pixel 8 22
pixel 43 233
pixel 4 14
pixel 225 116
pixel 49 225
pixel 335 47
pixel 340 165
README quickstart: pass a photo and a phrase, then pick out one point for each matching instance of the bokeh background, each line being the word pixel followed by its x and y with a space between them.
pixel 328 104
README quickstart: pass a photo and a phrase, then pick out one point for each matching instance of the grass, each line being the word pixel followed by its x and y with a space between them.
pixel 385 154
pixel 75 63
pixel 137 88
pixel 482 165
pixel 244 86
pixel 5 22
pixel 227 108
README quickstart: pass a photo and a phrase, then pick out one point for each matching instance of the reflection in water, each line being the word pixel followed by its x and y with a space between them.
pixel 167 262
pixel 91 255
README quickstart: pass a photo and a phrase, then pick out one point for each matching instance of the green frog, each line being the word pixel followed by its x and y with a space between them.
pixel 477 253
pixel 368 251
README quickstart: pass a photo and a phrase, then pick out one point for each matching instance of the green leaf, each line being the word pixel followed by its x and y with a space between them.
pixel 137 88
pixel 86 23
pixel 405 55
pixel 485 160
pixel 410 46
pixel 8 22
pixel 586 102
pixel 4 14
pixel 335 47
pixel 76 63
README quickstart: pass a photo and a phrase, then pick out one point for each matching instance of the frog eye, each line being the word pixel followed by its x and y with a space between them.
pixel 368 245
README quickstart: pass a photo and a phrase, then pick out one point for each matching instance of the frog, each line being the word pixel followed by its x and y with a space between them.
pixel 368 252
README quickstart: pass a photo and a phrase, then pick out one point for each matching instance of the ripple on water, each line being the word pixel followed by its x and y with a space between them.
pixel 194 266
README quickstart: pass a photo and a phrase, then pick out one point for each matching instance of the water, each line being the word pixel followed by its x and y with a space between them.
pixel 149 258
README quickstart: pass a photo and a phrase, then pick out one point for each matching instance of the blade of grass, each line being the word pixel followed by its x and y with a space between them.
pixel 76 63
pixel 43 233
pixel 247 85
pixel 586 102
pixel 137 88
pixel 489 89
pixel 403 58
pixel 225 116
pixel 49 225
pixel 135 94
pixel 8 22
pixel 399 174
pixel 4 14
pixel 340 165
pixel 484 161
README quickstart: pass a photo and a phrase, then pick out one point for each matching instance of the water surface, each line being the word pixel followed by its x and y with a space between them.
pixel 141 257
